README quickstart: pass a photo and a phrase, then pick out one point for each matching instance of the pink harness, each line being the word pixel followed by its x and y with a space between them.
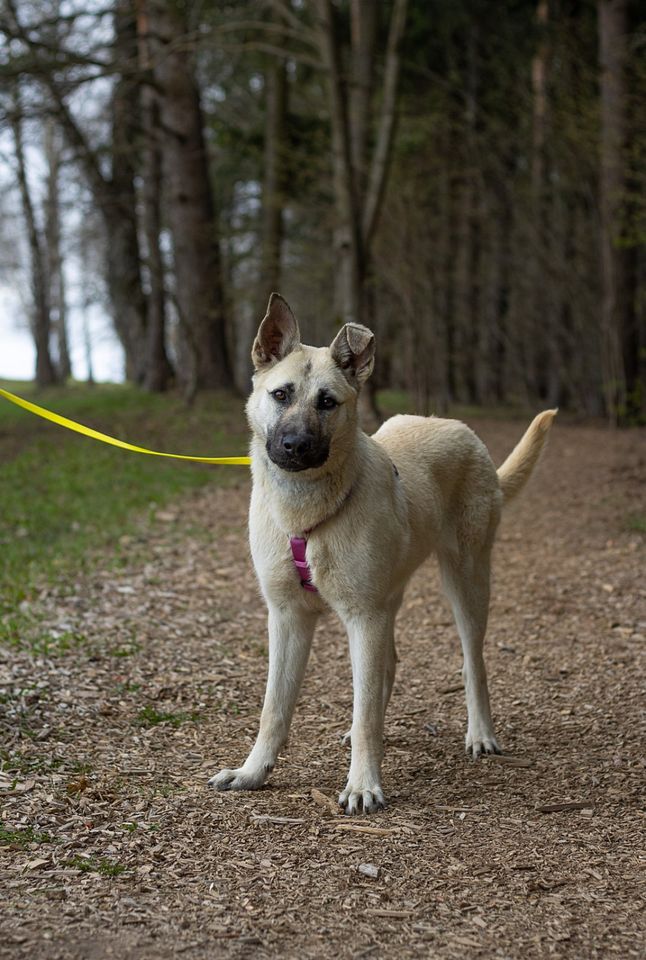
pixel 299 547
pixel 299 552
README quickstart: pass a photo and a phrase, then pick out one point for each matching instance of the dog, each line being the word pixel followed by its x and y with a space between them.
pixel 341 520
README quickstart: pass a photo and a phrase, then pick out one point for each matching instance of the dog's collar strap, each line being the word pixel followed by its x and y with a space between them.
pixel 299 547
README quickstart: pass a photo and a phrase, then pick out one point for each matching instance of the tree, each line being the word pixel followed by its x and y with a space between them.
pixel 41 320
pixel 113 191
pixel 159 373
pixel 55 268
pixel 190 206
pixel 620 345
pixel 359 178
pixel 274 179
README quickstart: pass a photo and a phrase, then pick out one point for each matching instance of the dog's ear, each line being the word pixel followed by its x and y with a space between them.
pixel 353 349
pixel 278 333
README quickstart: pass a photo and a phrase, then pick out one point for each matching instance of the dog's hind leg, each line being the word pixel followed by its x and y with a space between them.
pixel 390 664
pixel 390 667
pixel 290 637
pixel 466 582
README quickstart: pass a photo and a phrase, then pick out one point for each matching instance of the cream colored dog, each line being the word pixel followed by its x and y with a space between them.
pixel 371 509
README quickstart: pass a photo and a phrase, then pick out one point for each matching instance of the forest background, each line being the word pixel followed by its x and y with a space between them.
pixel 466 178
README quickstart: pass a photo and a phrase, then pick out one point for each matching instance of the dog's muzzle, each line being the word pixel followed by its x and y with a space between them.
pixel 297 451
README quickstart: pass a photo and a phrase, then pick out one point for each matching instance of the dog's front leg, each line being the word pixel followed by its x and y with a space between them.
pixel 290 638
pixel 370 640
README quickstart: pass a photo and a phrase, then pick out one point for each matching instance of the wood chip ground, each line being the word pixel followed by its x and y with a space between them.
pixel 117 848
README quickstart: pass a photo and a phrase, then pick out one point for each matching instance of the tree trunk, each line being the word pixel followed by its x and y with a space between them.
pixel 363 31
pixel 358 184
pixel 190 206
pixel 274 184
pixel 347 235
pixel 41 321
pixel 114 198
pixel 123 276
pixel 124 267
pixel 55 273
pixel 158 372
pixel 440 254
pixel 612 54
pixel 460 319
pixel 539 321
pixel 464 317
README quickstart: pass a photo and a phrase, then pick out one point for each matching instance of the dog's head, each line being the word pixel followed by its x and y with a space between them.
pixel 304 403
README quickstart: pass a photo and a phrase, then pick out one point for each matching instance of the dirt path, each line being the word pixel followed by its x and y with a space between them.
pixel 158 680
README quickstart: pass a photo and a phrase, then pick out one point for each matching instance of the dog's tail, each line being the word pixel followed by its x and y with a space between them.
pixel 517 468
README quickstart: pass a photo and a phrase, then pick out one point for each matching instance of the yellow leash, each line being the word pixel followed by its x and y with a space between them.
pixel 96 435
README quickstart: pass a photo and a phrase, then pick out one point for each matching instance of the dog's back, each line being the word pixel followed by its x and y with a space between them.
pixel 447 474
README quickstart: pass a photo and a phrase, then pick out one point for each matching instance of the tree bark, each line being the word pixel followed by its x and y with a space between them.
pixel 55 271
pixel 41 320
pixel 124 255
pixel 274 183
pixel 464 318
pixel 347 235
pixel 536 350
pixel 612 55
pixel 158 372
pixel 190 204
pixel 380 161
pixel 363 32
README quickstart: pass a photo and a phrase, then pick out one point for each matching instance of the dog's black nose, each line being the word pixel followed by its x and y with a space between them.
pixel 297 444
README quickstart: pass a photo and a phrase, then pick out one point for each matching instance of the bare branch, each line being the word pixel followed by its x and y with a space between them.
pixel 283 10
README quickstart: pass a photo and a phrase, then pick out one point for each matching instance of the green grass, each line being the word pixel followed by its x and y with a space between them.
pixel 21 838
pixel 149 717
pixel 21 763
pixel 64 497
pixel 636 523
pixel 91 865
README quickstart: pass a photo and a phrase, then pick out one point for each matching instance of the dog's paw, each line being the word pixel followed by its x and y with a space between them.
pixel 239 779
pixel 477 746
pixel 354 800
pixel 346 738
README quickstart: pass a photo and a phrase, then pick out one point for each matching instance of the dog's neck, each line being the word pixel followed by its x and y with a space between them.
pixel 299 503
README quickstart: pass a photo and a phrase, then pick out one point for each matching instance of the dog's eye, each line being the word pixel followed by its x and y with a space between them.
pixel 279 395
pixel 327 403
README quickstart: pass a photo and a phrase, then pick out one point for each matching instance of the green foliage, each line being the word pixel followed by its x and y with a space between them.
pixel 64 496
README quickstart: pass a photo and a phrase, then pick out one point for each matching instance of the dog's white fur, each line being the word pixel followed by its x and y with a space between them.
pixel 370 529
